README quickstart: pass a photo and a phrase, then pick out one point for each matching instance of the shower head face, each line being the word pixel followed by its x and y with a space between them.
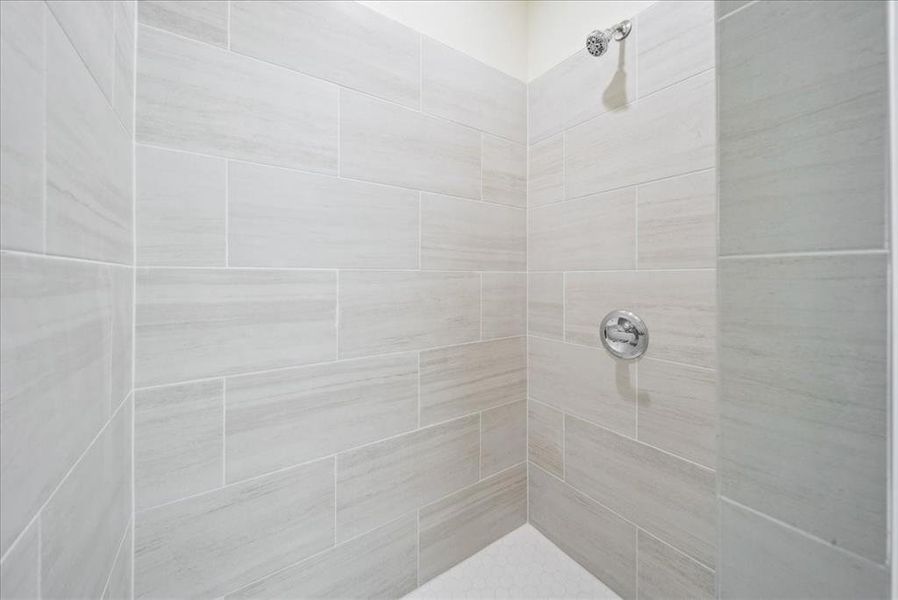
pixel 598 41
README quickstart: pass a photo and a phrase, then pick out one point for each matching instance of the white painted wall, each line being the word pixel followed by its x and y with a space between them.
pixel 492 32
pixel 557 30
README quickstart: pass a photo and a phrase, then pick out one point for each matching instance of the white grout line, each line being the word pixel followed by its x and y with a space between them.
pixel 76 259
pixel 816 254
pixel 737 11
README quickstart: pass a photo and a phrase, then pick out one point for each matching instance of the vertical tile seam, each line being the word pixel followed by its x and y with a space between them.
pixel 224 431
pixel 46 110
pixel 134 65
pixel 227 214
pixel 40 557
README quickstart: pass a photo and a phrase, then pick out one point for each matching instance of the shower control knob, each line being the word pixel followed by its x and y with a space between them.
pixel 624 334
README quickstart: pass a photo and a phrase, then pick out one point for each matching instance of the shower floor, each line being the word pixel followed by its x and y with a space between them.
pixel 523 564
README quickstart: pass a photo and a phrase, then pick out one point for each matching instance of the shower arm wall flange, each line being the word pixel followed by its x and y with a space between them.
pixel 621 30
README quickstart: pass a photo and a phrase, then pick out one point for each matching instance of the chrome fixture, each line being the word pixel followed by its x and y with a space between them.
pixel 624 334
pixel 598 41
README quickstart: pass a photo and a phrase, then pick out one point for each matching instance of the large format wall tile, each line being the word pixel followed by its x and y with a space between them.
pixel 343 42
pixel 215 543
pixel 670 498
pixel 456 527
pixel 669 133
pixel 195 323
pixel 763 559
pixel 679 308
pixel 380 482
pixel 666 56
pixel 386 143
pixel 545 304
pixel 504 299
pixel 504 172
pixel 177 441
pixel 592 233
pixel 89 207
pixel 677 222
pixel 460 380
pixel 503 437
pixel 89 25
pixel 459 235
pixel 595 537
pixel 83 524
pixel 118 587
pixel 283 418
pixel 666 573
pixel 282 218
pixel 584 381
pixel 380 564
pixel 206 21
pixel 394 311
pixel 22 122
pixel 196 97
pixel 20 575
pixel 583 87
pixel 545 431
pixel 545 174
pixel 678 410
pixel 181 205
pixel 805 422
pixel 59 348
pixel 803 152
pixel 125 39
pixel 462 89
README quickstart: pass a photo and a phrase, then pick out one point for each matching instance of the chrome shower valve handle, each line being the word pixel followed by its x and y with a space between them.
pixel 624 334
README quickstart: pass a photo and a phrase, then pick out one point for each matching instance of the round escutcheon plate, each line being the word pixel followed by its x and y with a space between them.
pixel 624 334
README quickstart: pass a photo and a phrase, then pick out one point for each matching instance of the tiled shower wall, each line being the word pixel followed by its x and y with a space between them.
pixel 803 300
pixel 66 281
pixel 622 214
pixel 330 302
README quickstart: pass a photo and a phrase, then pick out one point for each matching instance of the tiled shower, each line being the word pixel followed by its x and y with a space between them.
pixel 299 301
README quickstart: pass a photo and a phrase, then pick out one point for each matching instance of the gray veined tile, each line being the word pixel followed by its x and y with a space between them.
pixel 193 96
pixel 395 311
pixel 177 441
pixel 584 381
pixel 679 308
pixel 677 222
pixel 386 143
pixel 678 410
pixel 503 437
pixel 462 89
pixel 464 379
pixel 582 87
pixel 668 133
pixel 460 235
pixel 670 498
pixel 181 200
pixel 89 205
pixel 665 573
pixel 205 21
pixel 597 232
pixel 725 7
pixel 343 42
pixel 760 558
pixel 83 524
pixel 545 305
pixel 380 482
pixel 464 523
pixel 282 218
pixel 805 423
pixel 217 542
pixel 119 585
pixel 278 419
pixel 380 564
pixel 666 56
pixel 504 310
pixel 125 38
pixel 22 119
pixel 196 323
pixel 20 576
pixel 89 26
pixel 60 345
pixel 592 535
pixel 545 427
pixel 545 173
pixel 803 144
pixel 504 171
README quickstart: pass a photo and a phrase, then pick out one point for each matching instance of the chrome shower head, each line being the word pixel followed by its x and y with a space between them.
pixel 598 41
